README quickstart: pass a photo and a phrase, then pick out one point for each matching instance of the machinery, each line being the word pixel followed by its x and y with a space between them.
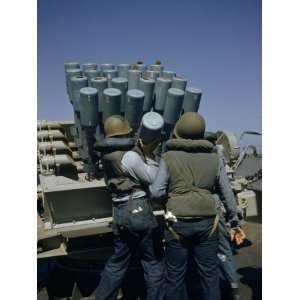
pixel 74 205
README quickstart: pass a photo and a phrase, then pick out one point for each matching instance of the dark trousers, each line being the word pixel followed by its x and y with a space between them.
pixel 227 267
pixel 127 244
pixel 196 242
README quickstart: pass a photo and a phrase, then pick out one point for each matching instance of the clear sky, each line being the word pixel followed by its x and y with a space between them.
pixel 215 44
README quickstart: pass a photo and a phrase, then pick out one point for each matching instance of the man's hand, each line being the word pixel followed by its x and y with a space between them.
pixel 237 235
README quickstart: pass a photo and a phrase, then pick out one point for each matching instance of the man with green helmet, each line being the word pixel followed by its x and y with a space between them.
pixel 190 174
pixel 129 170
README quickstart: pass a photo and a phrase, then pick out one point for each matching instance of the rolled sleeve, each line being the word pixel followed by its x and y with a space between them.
pixel 158 189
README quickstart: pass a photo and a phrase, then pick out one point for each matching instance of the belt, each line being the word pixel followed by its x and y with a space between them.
pixel 192 219
pixel 116 203
pixel 191 189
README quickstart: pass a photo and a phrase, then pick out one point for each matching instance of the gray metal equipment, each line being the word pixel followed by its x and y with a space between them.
pixel 100 83
pixel 54 160
pixel 141 67
pixel 110 74
pixel 89 119
pixel 107 67
pixel 162 86
pixel 90 74
pixel 133 79
pixel 69 74
pixel 77 83
pixel 112 103
pixel 173 105
pixel 179 83
pixel 46 135
pixel 59 147
pixel 147 87
pixel 123 70
pixel 158 68
pixel 43 124
pixel 152 74
pixel 192 99
pixel 121 83
pixel 89 107
pixel 168 74
pixel 89 66
pixel 134 107
pixel 151 126
pixel 71 65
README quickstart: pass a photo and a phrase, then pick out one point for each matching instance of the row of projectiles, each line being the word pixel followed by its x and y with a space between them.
pixel 129 90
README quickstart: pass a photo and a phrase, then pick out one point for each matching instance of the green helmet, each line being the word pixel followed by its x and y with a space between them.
pixel 116 125
pixel 190 125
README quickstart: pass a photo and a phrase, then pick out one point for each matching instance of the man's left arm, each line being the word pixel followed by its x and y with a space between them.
pixel 158 189
pixel 228 199
pixel 144 172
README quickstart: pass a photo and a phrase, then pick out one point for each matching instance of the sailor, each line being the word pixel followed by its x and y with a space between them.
pixel 129 169
pixel 227 210
pixel 189 174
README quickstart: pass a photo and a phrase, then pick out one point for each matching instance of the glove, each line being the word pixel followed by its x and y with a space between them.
pixel 237 235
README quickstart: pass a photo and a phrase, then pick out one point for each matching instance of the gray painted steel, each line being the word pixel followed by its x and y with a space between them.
pixel 133 79
pixel 90 74
pixel 168 74
pixel 78 129
pixel 69 74
pixel 107 67
pixel 173 105
pixel 147 86
pixel 89 66
pixel 100 83
pixel 77 83
pixel 152 74
pixel 134 107
pixel 71 65
pixel 151 126
pixel 58 145
pixel 179 83
pixel 141 67
pixel 112 103
pixel 123 70
pixel 110 74
pixel 158 68
pixel 46 134
pixel 161 90
pixel 192 99
pixel 89 116
pixel 48 125
pixel 75 201
pixel 121 83
pixel 60 159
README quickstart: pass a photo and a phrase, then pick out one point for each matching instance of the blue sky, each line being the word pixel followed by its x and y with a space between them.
pixel 215 44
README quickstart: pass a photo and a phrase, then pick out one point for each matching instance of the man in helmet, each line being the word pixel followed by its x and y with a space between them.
pixel 189 175
pixel 226 263
pixel 128 171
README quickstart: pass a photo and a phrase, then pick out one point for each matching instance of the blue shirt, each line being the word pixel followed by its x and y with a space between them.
pixel 133 165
